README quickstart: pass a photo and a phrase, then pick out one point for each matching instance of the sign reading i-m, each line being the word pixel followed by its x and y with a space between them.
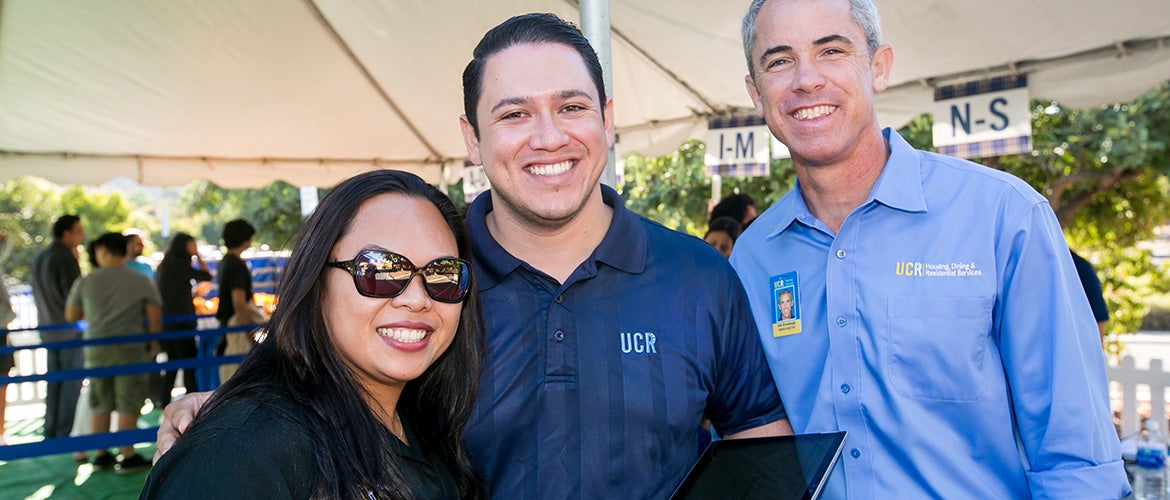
pixel 984 118
pixel 737 144
pixel 737 147
pixel 474 181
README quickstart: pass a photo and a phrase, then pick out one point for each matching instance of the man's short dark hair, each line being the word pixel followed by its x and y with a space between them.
pixel 64 224
pixel 115 243
pixel 526 28
pixel 236 232
pixel 734 206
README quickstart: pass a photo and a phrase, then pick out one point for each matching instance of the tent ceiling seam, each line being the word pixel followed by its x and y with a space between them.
pixel 670 74
pixel 616 33
pixel 436 155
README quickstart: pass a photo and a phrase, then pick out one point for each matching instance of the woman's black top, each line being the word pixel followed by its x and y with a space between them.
pixel 248 450
pixel 173 278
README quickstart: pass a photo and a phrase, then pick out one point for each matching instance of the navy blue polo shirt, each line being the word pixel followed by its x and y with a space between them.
pixel 595 388
pixel 1092 286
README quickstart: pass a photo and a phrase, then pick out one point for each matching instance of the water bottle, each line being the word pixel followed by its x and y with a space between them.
pixel 1149 480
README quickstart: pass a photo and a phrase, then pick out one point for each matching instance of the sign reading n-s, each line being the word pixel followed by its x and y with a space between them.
pixel 983 118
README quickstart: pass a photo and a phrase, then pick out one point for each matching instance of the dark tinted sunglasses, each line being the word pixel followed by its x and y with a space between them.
pixel 381 274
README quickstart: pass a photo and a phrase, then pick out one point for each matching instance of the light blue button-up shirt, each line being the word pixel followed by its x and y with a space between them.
pixel 945 329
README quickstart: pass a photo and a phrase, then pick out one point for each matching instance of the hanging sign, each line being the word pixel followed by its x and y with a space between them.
pixel 983 118
pixel 474 182
pixel 737 147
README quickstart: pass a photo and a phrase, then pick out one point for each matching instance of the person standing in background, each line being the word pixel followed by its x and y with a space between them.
pixel 53 272
pixel 134 258
pixel 1093 291
pixel 173 278
pixel 115 301
pixel 739 206
pixel 136 262
pixel 236 306
pixel 722 233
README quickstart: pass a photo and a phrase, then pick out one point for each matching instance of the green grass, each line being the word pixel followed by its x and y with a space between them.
pixel 58 476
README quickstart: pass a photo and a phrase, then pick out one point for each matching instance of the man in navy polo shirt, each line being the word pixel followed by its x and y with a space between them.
pixel 610 337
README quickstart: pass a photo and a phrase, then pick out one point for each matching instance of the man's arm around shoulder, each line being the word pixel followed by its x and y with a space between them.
pixel 778 428
pixel 175 420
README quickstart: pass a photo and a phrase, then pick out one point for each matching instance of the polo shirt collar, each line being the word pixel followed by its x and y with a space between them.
pixel 492 262
pixel 624 245
pixel 899 186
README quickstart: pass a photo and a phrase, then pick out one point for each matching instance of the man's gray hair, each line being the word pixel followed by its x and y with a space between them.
pixel 864 13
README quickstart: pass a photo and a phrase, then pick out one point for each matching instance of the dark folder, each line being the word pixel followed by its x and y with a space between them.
pixel 779 467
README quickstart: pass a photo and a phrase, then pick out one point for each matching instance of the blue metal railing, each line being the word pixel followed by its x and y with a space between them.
pixel 109 439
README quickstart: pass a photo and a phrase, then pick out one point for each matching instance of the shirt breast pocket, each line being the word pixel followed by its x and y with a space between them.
pixel 937 347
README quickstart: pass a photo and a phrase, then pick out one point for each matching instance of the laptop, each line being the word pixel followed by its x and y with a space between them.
pixel 773 468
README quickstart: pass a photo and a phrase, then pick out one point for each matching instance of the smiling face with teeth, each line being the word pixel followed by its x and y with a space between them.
pixel 388 342
pixel 543 137
pixel 814 81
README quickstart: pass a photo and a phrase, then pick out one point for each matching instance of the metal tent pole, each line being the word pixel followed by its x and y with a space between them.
pixel 595 26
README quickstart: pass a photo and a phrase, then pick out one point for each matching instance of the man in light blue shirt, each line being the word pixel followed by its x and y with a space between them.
pixel 936 317
pixel 134 259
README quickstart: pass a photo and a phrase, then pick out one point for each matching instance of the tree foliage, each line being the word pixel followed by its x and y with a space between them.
pixel 670 189
pixel 27 210
pixel 675 190
pixel 275 211
pixel 100 212
pixel 30 205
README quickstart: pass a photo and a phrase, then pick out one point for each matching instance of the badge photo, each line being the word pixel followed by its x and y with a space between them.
pixel 785 304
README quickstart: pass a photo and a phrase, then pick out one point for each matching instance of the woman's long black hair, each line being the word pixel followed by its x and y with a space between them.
pixel 298 361
pixel 177 249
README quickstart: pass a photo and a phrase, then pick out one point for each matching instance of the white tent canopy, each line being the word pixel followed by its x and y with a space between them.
pixel 244 92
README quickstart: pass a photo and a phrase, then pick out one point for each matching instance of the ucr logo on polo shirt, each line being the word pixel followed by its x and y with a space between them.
pixel 639 343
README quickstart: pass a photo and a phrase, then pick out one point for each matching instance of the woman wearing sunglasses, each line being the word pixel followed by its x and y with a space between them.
pixel 367 375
